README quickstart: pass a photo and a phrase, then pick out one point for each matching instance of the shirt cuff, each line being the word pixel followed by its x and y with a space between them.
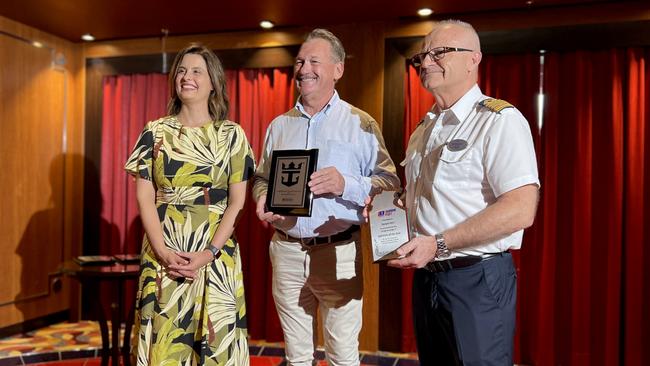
pixel 259 189
pixel 516 183
pixel 356 189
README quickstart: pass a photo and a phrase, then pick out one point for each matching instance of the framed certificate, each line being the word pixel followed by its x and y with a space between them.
pixel 388 226
pixel 288 193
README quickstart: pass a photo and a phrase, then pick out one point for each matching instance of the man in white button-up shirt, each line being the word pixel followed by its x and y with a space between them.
pixel 317 262
pixel 472 188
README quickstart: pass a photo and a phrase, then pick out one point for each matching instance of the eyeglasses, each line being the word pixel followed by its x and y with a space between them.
pixel 435 54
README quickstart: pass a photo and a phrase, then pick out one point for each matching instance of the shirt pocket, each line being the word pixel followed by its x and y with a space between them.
pixel 454 169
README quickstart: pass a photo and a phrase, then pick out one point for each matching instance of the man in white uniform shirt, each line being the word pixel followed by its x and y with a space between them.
pixel 317 262
pixel 472 188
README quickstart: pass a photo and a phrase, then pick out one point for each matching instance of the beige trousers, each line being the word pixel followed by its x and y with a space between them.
pixel 327 278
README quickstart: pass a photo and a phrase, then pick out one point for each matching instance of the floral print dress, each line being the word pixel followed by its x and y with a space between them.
pixel 200 321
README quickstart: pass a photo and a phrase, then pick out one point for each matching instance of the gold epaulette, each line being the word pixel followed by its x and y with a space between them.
pixel 496 105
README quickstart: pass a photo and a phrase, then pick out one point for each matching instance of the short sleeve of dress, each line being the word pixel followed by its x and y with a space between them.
pixel 141 160
pixel 242 160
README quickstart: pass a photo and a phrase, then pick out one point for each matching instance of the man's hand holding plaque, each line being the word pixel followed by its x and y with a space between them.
pixel 388 225
pixel 288 193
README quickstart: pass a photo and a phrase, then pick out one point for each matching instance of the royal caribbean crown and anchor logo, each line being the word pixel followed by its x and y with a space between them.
pixel 290 174
pixel 288 191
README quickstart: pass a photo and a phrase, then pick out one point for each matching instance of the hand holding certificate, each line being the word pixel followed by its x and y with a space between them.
pixel 388 226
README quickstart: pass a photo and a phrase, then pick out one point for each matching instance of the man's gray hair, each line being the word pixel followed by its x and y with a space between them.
pixel 338 52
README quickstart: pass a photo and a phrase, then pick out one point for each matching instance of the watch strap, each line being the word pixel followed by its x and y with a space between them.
pixel 442 250
pixel 216 252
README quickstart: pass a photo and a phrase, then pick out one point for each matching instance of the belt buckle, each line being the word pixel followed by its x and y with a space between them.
pixel 307 242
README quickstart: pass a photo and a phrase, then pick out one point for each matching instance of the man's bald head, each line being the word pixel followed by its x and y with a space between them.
pixel 450 67
pixel 456 32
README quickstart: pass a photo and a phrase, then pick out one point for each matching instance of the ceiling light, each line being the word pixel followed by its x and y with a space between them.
pixel 37 44
pixel 529 2
pixel 425 12
pixel 88 37
pixel 266 24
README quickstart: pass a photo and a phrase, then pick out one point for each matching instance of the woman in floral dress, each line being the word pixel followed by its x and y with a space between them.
pixel 191 170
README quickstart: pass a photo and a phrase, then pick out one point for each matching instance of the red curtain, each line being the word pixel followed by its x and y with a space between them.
pixel 636 253
pixel 417 104
pixel 129 101
pixel 515 78
pixel 578 317
pixel 256 97
pixel 583 294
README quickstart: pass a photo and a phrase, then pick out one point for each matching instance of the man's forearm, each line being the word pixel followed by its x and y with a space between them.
pixel 513 211
pixel 259 188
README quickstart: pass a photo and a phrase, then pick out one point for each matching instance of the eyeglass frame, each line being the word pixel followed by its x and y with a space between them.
pixel 435 54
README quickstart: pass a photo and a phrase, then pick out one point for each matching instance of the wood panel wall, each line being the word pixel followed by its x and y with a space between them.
pixel 40 125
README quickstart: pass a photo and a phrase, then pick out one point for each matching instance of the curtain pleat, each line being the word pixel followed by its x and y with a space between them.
pixel 129 101
pixel 636 251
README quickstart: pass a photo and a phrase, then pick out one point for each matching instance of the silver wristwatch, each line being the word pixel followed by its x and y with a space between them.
pixel 442 248
pixel 216 252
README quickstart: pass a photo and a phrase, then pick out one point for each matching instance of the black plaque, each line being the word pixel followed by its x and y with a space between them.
pixel 288 193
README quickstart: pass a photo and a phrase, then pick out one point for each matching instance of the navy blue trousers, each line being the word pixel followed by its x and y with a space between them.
pixel 466 316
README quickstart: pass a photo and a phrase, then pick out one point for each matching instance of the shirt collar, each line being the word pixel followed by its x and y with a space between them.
pixel 326 110
pixel 463 106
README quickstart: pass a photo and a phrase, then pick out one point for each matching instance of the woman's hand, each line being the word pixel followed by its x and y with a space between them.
pixel 167 258
pixel 193 261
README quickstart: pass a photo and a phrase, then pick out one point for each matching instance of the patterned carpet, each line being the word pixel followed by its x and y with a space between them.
pixel 78 344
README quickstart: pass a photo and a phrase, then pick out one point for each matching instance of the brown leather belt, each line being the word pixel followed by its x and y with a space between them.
pixel 317 240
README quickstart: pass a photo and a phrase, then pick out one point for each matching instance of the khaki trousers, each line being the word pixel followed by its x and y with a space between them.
pixel 328 278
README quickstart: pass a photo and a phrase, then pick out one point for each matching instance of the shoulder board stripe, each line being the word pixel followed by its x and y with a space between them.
pixel 496 105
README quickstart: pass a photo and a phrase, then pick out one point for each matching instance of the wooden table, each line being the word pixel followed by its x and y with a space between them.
pixel 118 274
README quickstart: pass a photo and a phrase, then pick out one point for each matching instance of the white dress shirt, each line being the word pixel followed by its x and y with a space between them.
pixel 458 162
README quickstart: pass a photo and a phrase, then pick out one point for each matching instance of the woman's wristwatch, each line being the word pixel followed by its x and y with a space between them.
pixel 216 252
